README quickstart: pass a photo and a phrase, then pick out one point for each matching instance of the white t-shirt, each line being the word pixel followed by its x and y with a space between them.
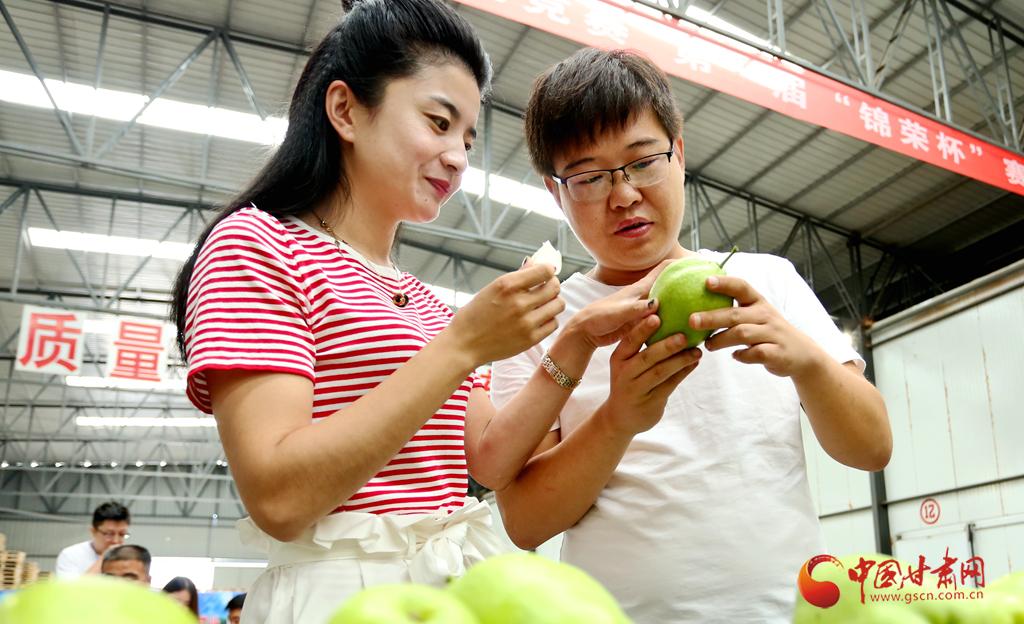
pixel 708 517
pixel 74 560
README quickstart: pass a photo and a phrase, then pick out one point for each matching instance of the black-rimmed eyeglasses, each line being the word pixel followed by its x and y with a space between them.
pixel 596 185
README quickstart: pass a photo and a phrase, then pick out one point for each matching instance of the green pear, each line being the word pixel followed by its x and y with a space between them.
pixel 525 588
pixel 402 604
pixel 1010 584
pixel 681 290
pixel 91 600
pixel 979 611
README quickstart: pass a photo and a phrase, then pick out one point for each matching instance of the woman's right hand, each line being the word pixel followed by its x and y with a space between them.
pixel 510 315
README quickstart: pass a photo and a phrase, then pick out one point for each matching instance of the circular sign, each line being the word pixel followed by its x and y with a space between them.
pixel 930 511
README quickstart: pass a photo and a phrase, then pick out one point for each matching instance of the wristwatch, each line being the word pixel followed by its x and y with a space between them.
pixel 558 374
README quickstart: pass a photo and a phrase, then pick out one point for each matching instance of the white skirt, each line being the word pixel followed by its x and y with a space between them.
pixel 307 579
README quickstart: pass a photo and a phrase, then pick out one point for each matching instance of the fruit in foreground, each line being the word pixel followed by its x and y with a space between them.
pixel 402 604
pixel 524 588
pixel 91 600
pixel 681 290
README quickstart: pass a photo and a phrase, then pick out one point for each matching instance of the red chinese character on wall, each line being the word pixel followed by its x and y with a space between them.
pixel 50 341
pixel 137 351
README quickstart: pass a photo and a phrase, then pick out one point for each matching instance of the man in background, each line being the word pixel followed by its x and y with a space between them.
pixel 129 562
pixel 235 609
pixel 110 522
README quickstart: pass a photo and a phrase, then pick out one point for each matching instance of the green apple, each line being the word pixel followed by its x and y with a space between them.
pixel 402 604
pixel 681 290
pixel 91 600
pixel 524 588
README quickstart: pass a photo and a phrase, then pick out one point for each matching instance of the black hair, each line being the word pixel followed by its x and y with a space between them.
pixel 235 603
pixel 376 41
pixel 129 552
pixel 589 93
pixel 179 583
pixel 110 510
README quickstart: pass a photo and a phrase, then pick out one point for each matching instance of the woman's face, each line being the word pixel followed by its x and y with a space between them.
pixel 406 157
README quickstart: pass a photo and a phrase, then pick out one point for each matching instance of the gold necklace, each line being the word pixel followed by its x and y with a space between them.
pixel 399 298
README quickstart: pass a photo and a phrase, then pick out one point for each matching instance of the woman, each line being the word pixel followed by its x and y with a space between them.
pixel 184 591
pixel 343 389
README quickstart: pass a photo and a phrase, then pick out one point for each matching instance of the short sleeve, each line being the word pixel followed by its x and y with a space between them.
pixel 246 308
pixel 803 309
pixel 65 568
pixel 510 375
pixel 479 381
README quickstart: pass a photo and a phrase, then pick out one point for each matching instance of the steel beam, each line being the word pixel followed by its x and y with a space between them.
pixel 892 46
pixel 98 80
pixel 62 116
pixel 167 83
pixel 27 300
pixel 250 93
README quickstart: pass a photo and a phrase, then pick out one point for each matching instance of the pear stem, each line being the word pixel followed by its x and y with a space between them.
pixel 734 250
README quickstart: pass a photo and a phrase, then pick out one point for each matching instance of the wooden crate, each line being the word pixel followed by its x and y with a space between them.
pixel 12 565
pixel 30 573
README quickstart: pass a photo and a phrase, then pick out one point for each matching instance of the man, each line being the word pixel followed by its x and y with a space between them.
pixel 234 609
pixel 129 562
pixel 676 473
pixel 110 522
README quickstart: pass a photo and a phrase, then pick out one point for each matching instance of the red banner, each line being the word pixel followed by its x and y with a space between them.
pixel 727 65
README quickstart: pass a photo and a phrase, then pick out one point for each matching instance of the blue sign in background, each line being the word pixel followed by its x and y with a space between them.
pixel 213 606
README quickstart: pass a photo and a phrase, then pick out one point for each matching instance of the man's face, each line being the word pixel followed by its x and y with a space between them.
pixel 108 534
pixel 633 228
pixel 235 616
pixel 130 570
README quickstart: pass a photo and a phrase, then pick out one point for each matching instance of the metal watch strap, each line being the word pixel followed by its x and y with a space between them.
pixel 558 374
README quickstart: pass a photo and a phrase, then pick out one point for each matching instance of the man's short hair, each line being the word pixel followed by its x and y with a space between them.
pixel 129 552
pixel 236 602
pixel 110 510
pixel 592 92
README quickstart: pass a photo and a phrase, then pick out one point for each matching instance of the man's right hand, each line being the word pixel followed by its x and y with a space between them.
pixel 642 379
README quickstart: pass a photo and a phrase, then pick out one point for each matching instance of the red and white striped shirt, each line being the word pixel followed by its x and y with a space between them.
pixel 270 295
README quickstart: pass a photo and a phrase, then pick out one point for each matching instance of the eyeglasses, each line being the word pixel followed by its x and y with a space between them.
pixel 112 534
pixel 596 185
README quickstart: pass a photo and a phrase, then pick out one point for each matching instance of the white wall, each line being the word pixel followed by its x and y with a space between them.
pixel 952 374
